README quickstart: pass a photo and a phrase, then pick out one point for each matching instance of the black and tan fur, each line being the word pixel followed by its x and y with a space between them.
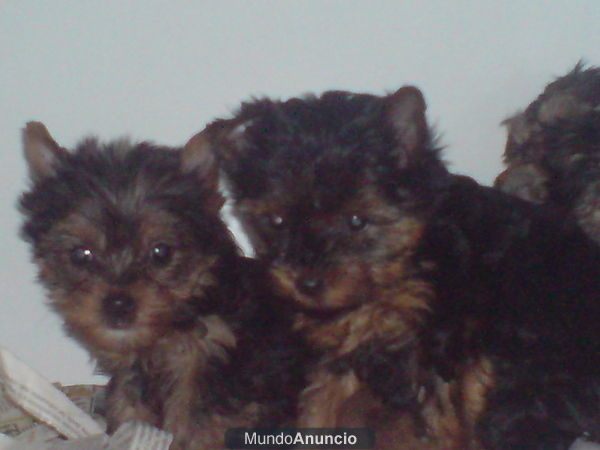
pixel 469 315
pixel 136 260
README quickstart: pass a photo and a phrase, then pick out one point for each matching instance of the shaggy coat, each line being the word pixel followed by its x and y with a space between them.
pixel 136 260
pixel 471 314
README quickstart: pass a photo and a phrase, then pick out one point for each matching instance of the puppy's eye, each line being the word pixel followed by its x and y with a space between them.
pixel 403 193
pixel 356 222
pixel 161 254
pixel 81 256
pixel 276 221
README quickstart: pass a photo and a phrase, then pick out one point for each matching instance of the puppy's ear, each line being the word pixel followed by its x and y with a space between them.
pixel 524 141
pixel 198 157
pixel 42 153
pixel 406 114
pixel 526 181
pixel 229 138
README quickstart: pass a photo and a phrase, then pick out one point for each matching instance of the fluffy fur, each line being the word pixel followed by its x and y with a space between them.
pixel 146 276
pixel 553 149
pixel 472 313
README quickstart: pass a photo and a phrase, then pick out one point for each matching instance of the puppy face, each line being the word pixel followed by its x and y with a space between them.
pixel 332 257
pixel 122 292
pixel 126 237
pixel 322 186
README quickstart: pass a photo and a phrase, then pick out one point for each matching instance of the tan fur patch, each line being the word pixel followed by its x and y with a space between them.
pixel 176 362
pixel 322 400
pixel 394 318
pixel 477 380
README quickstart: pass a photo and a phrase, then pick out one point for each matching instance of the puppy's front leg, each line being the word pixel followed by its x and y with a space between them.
pixel 125 401
pixel 322 401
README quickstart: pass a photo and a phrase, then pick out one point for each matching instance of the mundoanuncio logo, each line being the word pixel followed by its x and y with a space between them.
pixel 300 438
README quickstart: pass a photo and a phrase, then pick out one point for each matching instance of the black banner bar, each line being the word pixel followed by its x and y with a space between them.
pixel 299 438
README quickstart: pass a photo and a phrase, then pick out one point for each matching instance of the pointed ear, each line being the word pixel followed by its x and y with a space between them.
pixel 229 138
pixel 42 153
pixel 198 157
pixel 525 139
pixel 406 113
pixel 518 129
pixel 526 181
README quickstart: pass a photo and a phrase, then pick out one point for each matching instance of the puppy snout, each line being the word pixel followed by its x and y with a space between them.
pixel 119 309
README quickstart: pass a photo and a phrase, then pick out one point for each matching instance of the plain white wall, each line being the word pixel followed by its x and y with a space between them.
pixel 160 69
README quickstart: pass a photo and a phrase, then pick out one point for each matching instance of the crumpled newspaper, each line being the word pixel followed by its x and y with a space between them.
pixel 35 415
pixel 581 444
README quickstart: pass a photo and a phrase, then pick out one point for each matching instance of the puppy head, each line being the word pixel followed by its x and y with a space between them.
pixel 553 148
pixel 560 122
pixel 126 237
pixel 331 189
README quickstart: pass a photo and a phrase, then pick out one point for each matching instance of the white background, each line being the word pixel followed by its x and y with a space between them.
pixel 159 70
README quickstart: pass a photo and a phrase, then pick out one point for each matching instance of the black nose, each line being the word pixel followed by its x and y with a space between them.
pixel 310 285
pixel 118 309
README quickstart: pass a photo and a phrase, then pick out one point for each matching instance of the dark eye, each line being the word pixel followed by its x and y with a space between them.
pixel 403 193
pixel 357 222
pixel 161 254
pixel 81 256
pixel 276 221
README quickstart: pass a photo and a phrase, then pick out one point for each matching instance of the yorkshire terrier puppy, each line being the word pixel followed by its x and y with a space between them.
pixel 473 312
pixel 135 258
pixel 553 149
